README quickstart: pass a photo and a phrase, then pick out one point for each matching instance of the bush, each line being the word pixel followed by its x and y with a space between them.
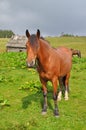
pixel 6 33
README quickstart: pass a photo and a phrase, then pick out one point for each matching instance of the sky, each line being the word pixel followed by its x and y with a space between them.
pixel 51 17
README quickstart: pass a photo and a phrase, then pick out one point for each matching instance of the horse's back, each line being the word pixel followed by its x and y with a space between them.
pixel 64 52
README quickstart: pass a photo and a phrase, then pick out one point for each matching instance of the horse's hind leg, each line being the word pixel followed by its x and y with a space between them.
pixel 67 86
pixel 44 110
pixel 60 89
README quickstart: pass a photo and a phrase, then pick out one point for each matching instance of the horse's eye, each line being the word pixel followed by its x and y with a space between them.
pixel 26 45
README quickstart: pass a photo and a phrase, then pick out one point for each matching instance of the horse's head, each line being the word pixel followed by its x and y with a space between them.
pixel 32 47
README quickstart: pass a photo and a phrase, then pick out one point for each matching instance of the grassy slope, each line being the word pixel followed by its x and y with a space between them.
pixel 3 42
pixel 24 112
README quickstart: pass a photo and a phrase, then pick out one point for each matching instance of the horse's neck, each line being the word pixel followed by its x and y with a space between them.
pixel 43 53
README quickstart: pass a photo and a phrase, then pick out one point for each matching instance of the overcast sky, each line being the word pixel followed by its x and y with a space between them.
pixel 52 17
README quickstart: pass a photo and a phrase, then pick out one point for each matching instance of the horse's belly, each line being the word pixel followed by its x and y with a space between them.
pixel 65 70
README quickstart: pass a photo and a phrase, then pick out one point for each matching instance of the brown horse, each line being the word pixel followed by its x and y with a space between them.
pixel 52 64
pixel 64 80
pixel 76 52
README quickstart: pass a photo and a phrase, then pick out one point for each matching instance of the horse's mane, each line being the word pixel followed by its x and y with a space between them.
pixel 47 43
pixel 44 39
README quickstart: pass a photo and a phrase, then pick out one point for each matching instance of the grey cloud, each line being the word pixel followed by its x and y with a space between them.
pixel 51 16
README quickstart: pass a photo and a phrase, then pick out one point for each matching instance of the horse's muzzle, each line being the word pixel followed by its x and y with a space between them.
pixel 31 64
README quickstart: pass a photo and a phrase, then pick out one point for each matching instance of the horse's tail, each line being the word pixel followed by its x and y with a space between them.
pixel 79 54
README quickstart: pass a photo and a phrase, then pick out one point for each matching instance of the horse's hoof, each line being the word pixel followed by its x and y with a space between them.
pixel 57 116
pixel 56 113
pixel 44 112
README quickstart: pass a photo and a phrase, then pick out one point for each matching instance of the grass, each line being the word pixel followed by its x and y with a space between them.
pixel 3 42
pixel 21 97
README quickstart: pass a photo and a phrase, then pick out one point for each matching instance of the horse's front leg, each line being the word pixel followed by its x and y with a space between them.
pixel 44 110
pixel 55 84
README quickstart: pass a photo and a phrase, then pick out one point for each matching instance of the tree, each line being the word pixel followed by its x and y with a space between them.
pixel 6 33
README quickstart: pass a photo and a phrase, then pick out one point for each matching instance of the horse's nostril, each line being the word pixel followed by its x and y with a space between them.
pixel 31 64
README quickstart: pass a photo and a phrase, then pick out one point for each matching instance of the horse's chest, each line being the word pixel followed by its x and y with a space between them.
pixel 45 75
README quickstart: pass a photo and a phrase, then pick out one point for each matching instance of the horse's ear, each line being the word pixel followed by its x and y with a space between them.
pixel 38 33
pixel 27 33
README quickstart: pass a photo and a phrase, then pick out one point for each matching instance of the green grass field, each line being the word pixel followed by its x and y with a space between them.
pixel 21 96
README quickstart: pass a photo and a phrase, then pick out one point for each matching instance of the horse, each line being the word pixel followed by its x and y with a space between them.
pixel 76 52
pixel 63 79
pixel 52 65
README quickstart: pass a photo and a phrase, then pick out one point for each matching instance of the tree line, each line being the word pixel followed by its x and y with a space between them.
pixel 6 33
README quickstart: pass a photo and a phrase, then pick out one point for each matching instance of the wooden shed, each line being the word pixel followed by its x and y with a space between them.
pixel 16 44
